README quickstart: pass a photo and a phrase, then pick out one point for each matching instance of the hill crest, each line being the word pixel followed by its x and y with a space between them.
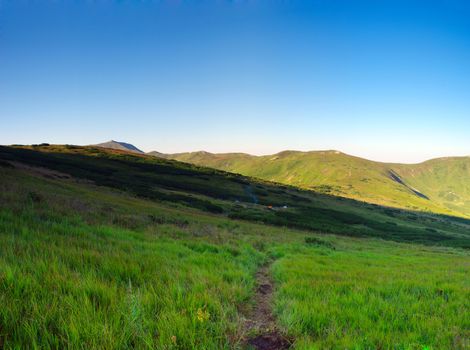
pixel 123 146
pixel 438 185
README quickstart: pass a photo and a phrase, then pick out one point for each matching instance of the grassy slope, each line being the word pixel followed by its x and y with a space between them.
pixel 239 197
pixel 84 267
pixel 445 181
pixel 88 266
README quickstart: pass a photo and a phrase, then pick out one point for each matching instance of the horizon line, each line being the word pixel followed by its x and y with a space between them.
pixel 260 155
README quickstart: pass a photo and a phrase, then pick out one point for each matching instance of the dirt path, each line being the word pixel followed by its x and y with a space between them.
pixel 260 326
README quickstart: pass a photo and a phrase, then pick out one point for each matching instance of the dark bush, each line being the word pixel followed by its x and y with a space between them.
pixel 34 197
pixel 319 242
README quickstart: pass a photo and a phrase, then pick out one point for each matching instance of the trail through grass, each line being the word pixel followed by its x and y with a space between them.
pixel 83 266
pixel 261 326
pixel 65 285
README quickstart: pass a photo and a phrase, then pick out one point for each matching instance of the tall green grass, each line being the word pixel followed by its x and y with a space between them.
pixel 371 295
pixel 70 285
pixel 83 266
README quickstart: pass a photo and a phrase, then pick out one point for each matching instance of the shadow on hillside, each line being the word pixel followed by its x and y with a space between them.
pixel 240 197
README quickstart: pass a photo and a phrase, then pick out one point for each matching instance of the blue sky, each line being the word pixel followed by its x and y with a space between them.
pixel 385 80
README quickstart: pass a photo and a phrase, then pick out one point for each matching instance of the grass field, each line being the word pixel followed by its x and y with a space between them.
pixel 90 265
pixel 368 295
pixel 65 282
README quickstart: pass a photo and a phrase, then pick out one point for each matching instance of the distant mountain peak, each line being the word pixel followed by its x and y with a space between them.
pixel 123 146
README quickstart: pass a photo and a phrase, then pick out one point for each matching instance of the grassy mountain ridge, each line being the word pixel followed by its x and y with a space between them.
pixel 439 185
pixel 236 196
pixel 444 180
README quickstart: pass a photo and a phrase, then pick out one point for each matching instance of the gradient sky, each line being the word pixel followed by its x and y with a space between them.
pixel 385 80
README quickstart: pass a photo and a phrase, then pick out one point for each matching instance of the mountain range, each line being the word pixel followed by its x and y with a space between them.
pixel 439 185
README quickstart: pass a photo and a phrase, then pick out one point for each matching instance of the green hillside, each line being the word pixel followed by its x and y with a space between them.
pixel 104 249
pixel 440 185
pixel 446 181
pixel 237 196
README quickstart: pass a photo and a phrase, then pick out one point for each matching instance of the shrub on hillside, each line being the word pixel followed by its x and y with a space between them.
pixel 318 242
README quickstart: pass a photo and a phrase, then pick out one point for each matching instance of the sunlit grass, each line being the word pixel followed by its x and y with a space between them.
pixel 83 266
pixel 64 285
pixel 374 296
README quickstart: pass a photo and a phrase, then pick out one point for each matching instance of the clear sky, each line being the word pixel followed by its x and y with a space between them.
pixel 385 80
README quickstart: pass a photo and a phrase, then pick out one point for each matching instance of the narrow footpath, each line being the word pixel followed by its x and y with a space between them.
pixel 261 324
